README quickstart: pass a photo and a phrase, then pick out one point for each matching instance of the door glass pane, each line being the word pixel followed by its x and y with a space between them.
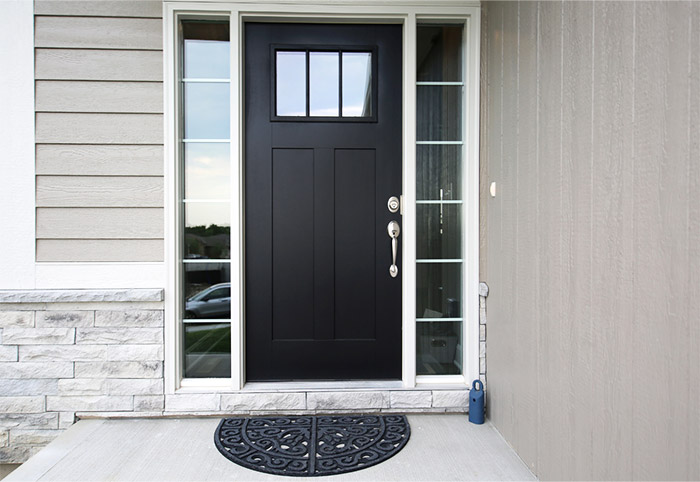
pixel 207 350
pixel 323 84
pixel 441 228
pixel 439 54
pixel 206 50
pixel 439 289
pixel 207 111
pixel 207 171
pixel 357 84
pixel 439 348
pixel 439 172
pixel 439 111
pixel 291 84
pixel 207 230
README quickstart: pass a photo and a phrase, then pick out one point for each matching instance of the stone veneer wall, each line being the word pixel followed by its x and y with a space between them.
pixel 70 354
pixel 68 351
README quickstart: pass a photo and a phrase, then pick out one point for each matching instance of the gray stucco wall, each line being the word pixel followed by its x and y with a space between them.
pixel 591 248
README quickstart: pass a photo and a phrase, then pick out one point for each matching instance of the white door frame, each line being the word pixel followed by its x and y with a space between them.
pixel 406 12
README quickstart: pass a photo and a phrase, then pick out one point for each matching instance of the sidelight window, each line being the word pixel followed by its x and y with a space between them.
pixel 439 209
pixel 206 200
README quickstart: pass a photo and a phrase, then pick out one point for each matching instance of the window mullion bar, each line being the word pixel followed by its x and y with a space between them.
pixel 308 81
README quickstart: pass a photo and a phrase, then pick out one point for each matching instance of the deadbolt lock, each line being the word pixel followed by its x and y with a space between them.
pixel 393 204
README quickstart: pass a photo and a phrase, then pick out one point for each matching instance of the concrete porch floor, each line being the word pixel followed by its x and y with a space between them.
pixel 442 447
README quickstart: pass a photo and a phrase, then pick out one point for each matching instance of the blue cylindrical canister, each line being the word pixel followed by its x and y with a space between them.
pixel 476 402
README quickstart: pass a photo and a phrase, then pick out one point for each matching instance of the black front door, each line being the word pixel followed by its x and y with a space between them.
pixel 322 158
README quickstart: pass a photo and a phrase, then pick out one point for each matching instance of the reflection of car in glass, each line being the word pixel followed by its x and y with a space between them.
pixel 213 302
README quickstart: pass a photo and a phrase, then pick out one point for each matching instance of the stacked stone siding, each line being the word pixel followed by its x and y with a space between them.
pixel 69 351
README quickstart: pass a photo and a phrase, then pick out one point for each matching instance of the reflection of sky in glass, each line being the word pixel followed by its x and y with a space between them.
pixel 207 111
pixel 206 214
pixel 357 76
pixel 206 59
pixel 323 84
pixel 291 84
pixel 207 171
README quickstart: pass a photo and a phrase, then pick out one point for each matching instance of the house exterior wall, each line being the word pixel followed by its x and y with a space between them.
pixel 591 128
pixel 99 131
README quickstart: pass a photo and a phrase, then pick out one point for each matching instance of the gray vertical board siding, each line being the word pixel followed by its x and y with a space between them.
pixel 100 191
pixel 101 8
pixel 661 239
pixel 99 33
pixel 484 141
pixel 595 303
pixel 99 223
pixel 508 177
pixel 494 17
pixel 524 211
pixel 99 160
pixel 612 321
pixel 693 308
pixel 577 159
pixel 552 451
pixel 79 128
pixel 75 64
pixel 82 96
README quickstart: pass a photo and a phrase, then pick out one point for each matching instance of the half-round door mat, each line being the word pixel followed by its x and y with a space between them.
pixel 311 445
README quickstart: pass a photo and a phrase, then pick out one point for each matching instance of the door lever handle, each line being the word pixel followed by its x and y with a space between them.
pixel 394 230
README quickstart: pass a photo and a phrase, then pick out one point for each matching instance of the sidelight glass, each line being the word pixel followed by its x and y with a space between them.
pixel 203 298
pixel 357 84
pixel 324 72
pixel 207 350
pixel 439 286
pixel 439 53
pixel 439 172
pixel 207 111
pixel 206 59
pixel 439 110
pixel 439 205
pixel 291 84
pixel 205 194
pixel 207 230
pixel 207 171
pixel 441 225
pixel 439 348
pixel 206 52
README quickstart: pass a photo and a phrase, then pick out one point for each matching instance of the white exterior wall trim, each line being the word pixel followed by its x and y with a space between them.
pixel 17 139
pixel 400 11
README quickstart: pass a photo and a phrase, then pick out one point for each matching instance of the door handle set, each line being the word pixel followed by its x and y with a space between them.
pixel 394 230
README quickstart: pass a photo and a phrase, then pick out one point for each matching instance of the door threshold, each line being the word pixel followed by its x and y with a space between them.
pixel 310 386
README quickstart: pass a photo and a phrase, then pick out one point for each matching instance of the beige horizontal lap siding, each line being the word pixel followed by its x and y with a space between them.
pixel 99 131
pixel 100 8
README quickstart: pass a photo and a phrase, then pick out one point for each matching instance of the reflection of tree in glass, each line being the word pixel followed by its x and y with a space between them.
pixel 212 242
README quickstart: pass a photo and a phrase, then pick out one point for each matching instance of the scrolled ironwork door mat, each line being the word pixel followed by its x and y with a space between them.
pixel 311 445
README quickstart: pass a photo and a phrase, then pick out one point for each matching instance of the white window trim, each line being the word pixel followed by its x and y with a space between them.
pixel 406 12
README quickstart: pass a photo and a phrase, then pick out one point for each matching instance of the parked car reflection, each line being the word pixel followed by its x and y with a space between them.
pixel 213 302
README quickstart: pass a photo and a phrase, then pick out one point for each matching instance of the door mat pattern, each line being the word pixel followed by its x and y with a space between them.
pixel 311 445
